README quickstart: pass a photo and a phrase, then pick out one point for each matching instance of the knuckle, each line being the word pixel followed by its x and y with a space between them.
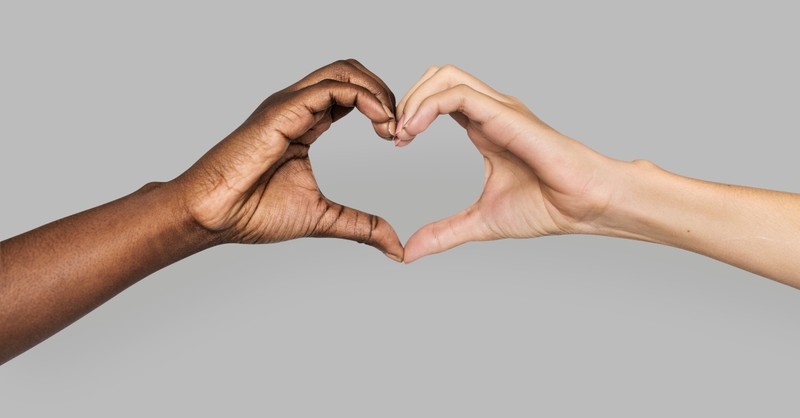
pixel 341 63
pixel 341 70
pixel 450 70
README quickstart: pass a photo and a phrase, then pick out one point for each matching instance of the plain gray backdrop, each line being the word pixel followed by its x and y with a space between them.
pixel 98 99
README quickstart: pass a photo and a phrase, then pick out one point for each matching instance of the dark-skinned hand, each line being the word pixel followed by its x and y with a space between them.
pixel 257 185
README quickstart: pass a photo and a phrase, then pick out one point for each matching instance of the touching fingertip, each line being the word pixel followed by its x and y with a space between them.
pixel 383 131
pixel 394 257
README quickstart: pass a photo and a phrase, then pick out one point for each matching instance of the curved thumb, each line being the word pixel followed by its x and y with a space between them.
pixel 340 221
pixel 445 234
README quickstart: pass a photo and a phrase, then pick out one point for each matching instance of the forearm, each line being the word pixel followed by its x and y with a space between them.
pixel 53 275
pixel 756 230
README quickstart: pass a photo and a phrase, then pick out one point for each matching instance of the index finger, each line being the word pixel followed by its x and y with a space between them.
pixel 366 71
pixel 317 98
pixel 352 71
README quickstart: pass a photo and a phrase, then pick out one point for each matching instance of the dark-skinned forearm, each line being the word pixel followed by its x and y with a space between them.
pixel 53 275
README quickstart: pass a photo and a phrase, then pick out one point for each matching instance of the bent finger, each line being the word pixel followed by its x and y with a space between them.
pixel 310 101
pixel 367 71
pixel 353 72
pixel 462 99
pixel 401 106
pixel 444 78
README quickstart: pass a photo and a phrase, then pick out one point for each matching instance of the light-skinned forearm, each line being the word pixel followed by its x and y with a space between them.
pixel 754 229
pixel 53 275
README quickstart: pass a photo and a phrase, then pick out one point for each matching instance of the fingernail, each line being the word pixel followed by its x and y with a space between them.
pixel 388 111
pixel 400 122
pixel 390 128
pixel 396 141
pixel 394 257
pixel 409 120
pixel 403 143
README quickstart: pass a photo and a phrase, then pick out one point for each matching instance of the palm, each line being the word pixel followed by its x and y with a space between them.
pixel 538 182
pixel 514 202
pixel 288 204
pixel 523 196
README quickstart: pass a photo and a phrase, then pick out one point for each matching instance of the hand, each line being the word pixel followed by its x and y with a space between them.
pixel 257 186
pixel 538 182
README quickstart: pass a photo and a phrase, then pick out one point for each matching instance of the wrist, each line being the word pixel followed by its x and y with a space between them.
pixel 654 205
pixel 184 232
pixel 637 201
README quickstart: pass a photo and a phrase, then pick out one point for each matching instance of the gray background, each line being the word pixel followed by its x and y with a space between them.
pixel 96 100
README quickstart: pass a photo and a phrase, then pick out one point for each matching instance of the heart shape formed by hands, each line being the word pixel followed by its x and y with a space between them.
pixel 257 185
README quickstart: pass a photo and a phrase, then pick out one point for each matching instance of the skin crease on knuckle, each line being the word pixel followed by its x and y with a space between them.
pixel 451 73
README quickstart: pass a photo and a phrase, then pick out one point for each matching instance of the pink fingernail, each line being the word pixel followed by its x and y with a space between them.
pixel 400 123
pixel 396 141
pixel 411 119
pixel 403 143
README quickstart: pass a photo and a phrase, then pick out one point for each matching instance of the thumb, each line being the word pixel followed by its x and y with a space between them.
pixel 445 234
pixel 340 221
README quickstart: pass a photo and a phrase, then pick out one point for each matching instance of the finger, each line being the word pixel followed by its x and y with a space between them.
pixel 349 71
pixel 400 106
pixel 340 221
pixel 443 79
pixel 366 71
pixel 445 234
pixel 405 139
pixel 387 100
pixel 352 71
pixel 461 99
pixel 546 151
pixel 307 103
pixel 462 120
